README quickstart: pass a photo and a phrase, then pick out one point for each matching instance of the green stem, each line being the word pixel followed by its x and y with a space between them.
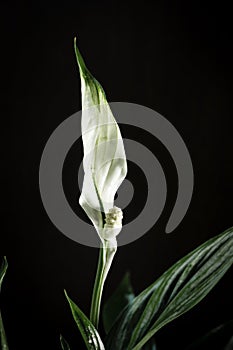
pixel 106 254
pixel 98 289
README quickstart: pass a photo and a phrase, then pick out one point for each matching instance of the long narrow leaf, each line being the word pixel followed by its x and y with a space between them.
pixel 219 335
pixel 150 345
pixel 64 344
pixel 229 345
pixel 89 333
pixel 179 289
pixel 3 270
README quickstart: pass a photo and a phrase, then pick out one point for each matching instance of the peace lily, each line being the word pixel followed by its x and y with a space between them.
pixel 104 160
pixel 105 168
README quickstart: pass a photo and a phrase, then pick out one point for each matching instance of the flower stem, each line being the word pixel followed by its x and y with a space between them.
pixel 106 254
pixel 98 289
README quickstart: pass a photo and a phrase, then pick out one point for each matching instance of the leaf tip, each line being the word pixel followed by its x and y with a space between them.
pixel 67 297
pixel 4 265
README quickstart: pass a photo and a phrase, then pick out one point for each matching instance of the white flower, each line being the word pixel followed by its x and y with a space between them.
pixel 104 162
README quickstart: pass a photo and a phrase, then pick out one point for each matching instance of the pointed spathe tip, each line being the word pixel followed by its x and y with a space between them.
pixel 82 67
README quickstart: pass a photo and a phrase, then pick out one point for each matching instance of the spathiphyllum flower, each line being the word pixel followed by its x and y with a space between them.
pixel 104 160
pixel 105 168
pixel 113 223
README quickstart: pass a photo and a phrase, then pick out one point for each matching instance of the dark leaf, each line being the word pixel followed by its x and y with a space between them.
pixel 216 338
pixel 122 296
pixel 64 344
pixel 229 345
pixel 150 345
pixel 3 269
pixel 2 330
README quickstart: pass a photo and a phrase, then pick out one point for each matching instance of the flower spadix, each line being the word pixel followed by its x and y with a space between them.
pixel 104 161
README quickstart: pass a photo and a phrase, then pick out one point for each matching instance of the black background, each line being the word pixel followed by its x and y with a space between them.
pixel 175 58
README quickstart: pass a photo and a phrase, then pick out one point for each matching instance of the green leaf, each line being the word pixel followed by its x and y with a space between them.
pixel 179 289
pixel 218 335
pixel 150 345
pixel 64 344
pixel 122 296
pixel 89 333
pixel 3 270
pixel 3 335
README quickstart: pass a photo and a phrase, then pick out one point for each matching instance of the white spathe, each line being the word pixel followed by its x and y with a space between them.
pixel 104 161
